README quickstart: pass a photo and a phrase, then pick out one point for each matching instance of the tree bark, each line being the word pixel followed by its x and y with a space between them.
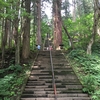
pixel 17 42
pixel 69 37
pixel 26 34
pixel 4 41
pixel 9 35
pixel 38 3
pixel 74 10
pixel 57 23
pixel 16 33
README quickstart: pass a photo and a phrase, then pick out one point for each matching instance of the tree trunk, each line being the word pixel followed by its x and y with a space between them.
pixel 38 3
pixel 57 23
pixel 74 10
pixel 9 35
pixel 4 42
pixel 26 34
pixel 16 34
pixel 17 44
pixel 69 37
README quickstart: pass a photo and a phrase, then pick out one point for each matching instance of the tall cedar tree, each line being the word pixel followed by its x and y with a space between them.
pixel 26 34
pixel 38 4
pixel 57 23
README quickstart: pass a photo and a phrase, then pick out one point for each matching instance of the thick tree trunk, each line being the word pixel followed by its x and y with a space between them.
pixel 57 23
pixel 17 44
pixel 38 3
pixel 16 34
pixel 26 34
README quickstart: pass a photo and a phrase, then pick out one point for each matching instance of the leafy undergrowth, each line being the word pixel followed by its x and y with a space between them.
pixel 12 77
pixel 87 68
pixel 10 84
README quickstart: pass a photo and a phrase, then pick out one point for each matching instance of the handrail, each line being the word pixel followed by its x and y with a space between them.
pixel 54 84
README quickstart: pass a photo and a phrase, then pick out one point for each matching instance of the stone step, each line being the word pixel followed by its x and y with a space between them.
pixel 38 86
pixel 35 84
pixel 65 77
pixel 34 95
pixel 36 69
pixel 39 73
pixel 56 80
pixel 49 92
pixel 41 92
pixel 56 72
pixel 71 86
pixel 61 68
pixel 37 79
pixel 49 85
pixel 60 77
pixel 70 81
pixel 40 77
pixel 63 98
pixel 70 95
pixel 52 95
pixel 59 90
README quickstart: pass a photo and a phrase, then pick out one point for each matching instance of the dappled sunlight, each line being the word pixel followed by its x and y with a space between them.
pixel 35 66
pixel 98 31
pixel 27 72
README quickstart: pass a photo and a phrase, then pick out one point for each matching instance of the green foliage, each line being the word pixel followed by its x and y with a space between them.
pixel 9 85
pixel 96 95
pixel 25 14
pixel 11 82
pixel 76 53
pixel 10 7
pixel 2 71
pixel 45 29
pixel 88 71
pixel 15 68
pixel 3 4
pixel 79 30
pixel 89 82
pixel 4 84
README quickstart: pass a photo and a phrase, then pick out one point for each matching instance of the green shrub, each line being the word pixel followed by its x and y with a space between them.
pixel 5 84
pixel 15 68
pixel 11 81
pixel 89 71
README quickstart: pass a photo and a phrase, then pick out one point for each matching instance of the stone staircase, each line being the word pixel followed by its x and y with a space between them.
pixel 39 85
